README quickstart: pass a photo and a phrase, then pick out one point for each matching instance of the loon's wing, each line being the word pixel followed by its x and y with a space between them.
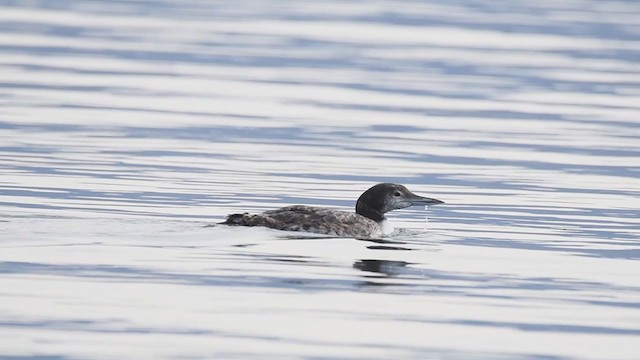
pixel 276 219
pixel 311 219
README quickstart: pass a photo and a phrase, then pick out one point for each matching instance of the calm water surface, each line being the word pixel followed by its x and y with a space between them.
pixel 126 127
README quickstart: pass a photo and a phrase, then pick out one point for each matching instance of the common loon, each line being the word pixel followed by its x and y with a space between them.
pixel 368 220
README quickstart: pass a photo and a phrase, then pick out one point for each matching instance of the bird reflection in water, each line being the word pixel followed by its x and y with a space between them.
pixel 386 267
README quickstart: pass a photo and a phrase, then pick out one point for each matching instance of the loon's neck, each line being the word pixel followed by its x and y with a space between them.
pixel 369 212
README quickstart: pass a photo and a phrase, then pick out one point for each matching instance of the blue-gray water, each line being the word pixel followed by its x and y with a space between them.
pixel 126 127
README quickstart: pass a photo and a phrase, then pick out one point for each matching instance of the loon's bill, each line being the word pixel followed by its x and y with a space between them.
pixel 368 220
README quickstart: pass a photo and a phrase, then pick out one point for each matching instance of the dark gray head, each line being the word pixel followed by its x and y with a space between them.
pixel 385 197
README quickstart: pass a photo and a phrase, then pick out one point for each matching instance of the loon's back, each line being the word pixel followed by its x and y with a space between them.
pixel 310 219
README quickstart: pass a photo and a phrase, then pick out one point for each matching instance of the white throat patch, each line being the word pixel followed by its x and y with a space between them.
pixel 387 227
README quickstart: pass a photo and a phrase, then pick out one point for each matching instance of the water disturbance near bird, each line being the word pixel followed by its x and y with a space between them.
pixel 426 217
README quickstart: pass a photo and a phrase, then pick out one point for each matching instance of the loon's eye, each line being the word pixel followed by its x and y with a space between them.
pixel 397 193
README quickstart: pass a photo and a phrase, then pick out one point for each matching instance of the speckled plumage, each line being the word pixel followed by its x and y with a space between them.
pixel 310 219
pixel 368 220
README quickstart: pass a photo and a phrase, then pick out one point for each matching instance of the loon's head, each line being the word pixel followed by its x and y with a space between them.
pixel 385 197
